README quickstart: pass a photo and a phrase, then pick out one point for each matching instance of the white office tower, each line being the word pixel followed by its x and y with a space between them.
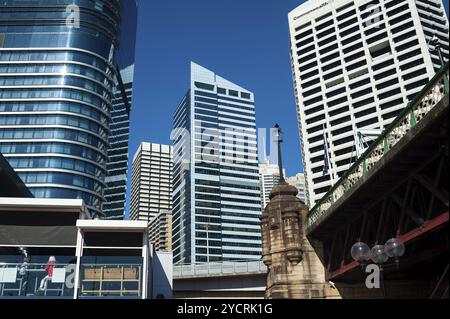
pixel 298 181
pixel 216 195
pixel 356 65
pixel 151 181
pixel 269 176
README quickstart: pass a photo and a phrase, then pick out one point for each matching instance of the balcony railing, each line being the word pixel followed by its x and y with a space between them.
pixel 32 280
pixel 26 280
pixel 416 110
pixel 219 269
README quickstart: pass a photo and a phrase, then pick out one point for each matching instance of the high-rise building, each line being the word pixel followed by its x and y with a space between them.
pixel 151 181
pixel 160 231
pixel 298 181
pixel 356 64
pixel 269 176
pixel 216 195
pixel 117 164
pixel 56 91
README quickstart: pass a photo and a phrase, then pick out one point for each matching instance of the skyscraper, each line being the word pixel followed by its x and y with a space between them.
pixel 356 64
pixel 298 181
pixel 56 91
pixel 117 164
pixel 160 231
pixel 269 176
pixel 151 182
pixel 216 195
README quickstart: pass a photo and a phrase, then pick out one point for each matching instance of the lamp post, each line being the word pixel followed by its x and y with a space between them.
pixel 379 254
pixel 279 140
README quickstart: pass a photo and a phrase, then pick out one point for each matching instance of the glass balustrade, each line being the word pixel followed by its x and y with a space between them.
pixel 28 278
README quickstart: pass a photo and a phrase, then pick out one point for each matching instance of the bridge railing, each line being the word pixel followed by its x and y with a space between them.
pixel 424 102
pixel 219 269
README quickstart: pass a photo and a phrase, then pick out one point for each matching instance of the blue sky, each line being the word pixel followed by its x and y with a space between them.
pixel 245 41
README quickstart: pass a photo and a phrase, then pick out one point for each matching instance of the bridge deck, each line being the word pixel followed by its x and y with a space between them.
pixel 399 188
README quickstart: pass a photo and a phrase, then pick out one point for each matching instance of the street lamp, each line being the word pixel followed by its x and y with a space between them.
pixel 360 252
pixel 279 140
pixel 394 248
pixel 379 254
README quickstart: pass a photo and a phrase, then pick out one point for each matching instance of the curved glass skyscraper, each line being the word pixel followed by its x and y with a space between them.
pixel 56 89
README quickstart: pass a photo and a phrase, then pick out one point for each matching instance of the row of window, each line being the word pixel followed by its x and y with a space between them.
pixel 64 93
pixel 49 56
pixel 55 81
pixel 55 148
pixel 59 134
pixel 62 179
pixel 56 163
pixel 49 192
pixel 223 91
pixel 62 69
pixel 54 107
pixel 53 120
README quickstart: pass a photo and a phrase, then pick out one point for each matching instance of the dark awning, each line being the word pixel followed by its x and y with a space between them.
pixel 38 228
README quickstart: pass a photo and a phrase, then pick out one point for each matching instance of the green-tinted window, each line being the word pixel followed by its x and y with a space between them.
pixel 204 86
pixel 233 93
pixel 245 95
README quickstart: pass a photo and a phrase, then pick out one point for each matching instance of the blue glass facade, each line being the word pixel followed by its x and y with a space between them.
pixel 117 165
pixel 216 194
pixel 56 91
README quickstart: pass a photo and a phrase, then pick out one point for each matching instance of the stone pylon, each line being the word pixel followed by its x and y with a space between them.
pixel 295 271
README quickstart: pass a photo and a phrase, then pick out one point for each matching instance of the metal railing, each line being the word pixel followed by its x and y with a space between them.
pixel 219 269
pixel 32 280
pixel 416 110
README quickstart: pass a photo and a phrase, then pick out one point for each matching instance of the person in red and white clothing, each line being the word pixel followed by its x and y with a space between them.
pixel 49 267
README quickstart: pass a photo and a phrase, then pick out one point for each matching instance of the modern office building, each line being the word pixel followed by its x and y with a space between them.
pixel 269 176
pixel 356 64
pixel 160 231
pixel 151 181
pixel 117 164
pixel 56 91
pixel 298 181
pixel 92 259
pixel 216 194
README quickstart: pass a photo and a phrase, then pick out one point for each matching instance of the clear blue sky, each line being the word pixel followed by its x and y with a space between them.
pixel 245 41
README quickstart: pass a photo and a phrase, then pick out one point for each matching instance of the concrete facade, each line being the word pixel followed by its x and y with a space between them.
pixel 356 65
pixel 160 231
pixel 151 182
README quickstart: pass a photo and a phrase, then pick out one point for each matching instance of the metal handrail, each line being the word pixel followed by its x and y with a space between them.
pixel 219 268
pixel 410 116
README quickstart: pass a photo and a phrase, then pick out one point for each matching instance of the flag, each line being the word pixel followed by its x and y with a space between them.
pixel 326 157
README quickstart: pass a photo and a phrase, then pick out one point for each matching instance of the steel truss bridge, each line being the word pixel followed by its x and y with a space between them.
pixel 398 188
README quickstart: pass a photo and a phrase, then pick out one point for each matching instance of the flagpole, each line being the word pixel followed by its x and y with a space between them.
pixel 328 157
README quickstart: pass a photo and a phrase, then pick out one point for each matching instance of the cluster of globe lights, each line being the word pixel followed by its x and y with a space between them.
pixel 379 254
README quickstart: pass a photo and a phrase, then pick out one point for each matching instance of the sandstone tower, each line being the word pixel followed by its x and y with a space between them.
pixel 294 270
